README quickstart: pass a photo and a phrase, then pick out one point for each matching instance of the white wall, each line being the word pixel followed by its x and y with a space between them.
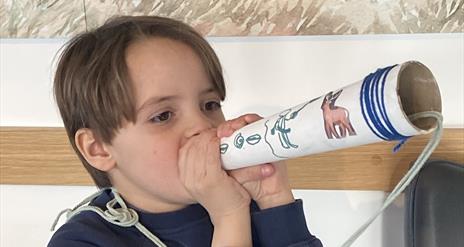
pixel 263 75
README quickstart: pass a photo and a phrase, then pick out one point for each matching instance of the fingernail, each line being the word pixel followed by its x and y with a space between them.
pixel 267 170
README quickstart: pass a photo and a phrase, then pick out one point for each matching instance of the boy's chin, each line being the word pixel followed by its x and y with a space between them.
pixel 191 201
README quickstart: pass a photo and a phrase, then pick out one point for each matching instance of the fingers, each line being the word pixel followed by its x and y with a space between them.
pixel 213 159
pixel 198 158
pixel 227 128
pixel 253 173
pixel 202 175
pixel 250 118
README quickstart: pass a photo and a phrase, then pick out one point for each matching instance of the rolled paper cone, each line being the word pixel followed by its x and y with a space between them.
pixel 371 110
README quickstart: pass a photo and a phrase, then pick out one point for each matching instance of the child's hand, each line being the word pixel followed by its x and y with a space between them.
pixel 273 190
pixel 201 172
pixel 226 201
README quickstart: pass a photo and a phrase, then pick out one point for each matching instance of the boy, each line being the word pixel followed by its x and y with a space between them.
pixel 140 100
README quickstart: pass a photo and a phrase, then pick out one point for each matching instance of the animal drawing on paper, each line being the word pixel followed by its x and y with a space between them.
pixel 336 116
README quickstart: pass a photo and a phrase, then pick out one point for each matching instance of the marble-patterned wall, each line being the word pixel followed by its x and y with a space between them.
pixel 60 18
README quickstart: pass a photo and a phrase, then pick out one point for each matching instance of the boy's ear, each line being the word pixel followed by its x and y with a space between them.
pixel 94 150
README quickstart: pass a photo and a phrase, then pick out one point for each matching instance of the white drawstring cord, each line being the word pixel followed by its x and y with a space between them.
pixel 409 176
pixel 123 216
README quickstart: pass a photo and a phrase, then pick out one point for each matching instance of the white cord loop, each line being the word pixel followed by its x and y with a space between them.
pixel 409 176
pixel 122 216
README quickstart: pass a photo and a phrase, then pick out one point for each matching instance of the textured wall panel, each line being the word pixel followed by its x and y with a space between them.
pixel 41 19
pixel 59 18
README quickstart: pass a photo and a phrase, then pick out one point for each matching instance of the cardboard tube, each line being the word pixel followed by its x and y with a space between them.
pixel 371 110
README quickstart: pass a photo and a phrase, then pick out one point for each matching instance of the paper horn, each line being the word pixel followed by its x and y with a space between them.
pixel 371 110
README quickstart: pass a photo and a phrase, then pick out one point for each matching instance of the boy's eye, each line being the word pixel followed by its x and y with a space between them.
pixel 212 106
pixel 165 116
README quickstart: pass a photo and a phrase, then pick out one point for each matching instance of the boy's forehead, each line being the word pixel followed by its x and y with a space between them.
pixel 162 58
pixel 164 67
pixel 157 47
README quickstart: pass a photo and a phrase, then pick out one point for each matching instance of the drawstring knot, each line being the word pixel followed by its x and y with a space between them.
pixel 121 216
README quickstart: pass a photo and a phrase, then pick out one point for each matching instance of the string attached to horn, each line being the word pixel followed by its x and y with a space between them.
pixel 409 176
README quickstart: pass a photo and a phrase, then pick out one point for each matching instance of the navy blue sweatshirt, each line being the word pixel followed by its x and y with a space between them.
pixel 280 226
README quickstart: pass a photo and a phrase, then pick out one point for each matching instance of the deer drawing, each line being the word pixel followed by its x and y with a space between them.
pixel 336 116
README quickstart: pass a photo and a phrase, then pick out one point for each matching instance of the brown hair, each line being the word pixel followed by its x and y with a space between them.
pixel 91 84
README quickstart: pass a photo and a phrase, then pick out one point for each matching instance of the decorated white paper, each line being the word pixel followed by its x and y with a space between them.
pixel 338 119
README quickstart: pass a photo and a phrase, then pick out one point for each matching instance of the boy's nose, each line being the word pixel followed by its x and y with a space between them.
pixel 197 124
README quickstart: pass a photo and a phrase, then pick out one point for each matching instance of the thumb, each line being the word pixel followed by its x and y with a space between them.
pixel 252 173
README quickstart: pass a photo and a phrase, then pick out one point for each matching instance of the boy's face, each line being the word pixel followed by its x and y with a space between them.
pixel 174 101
